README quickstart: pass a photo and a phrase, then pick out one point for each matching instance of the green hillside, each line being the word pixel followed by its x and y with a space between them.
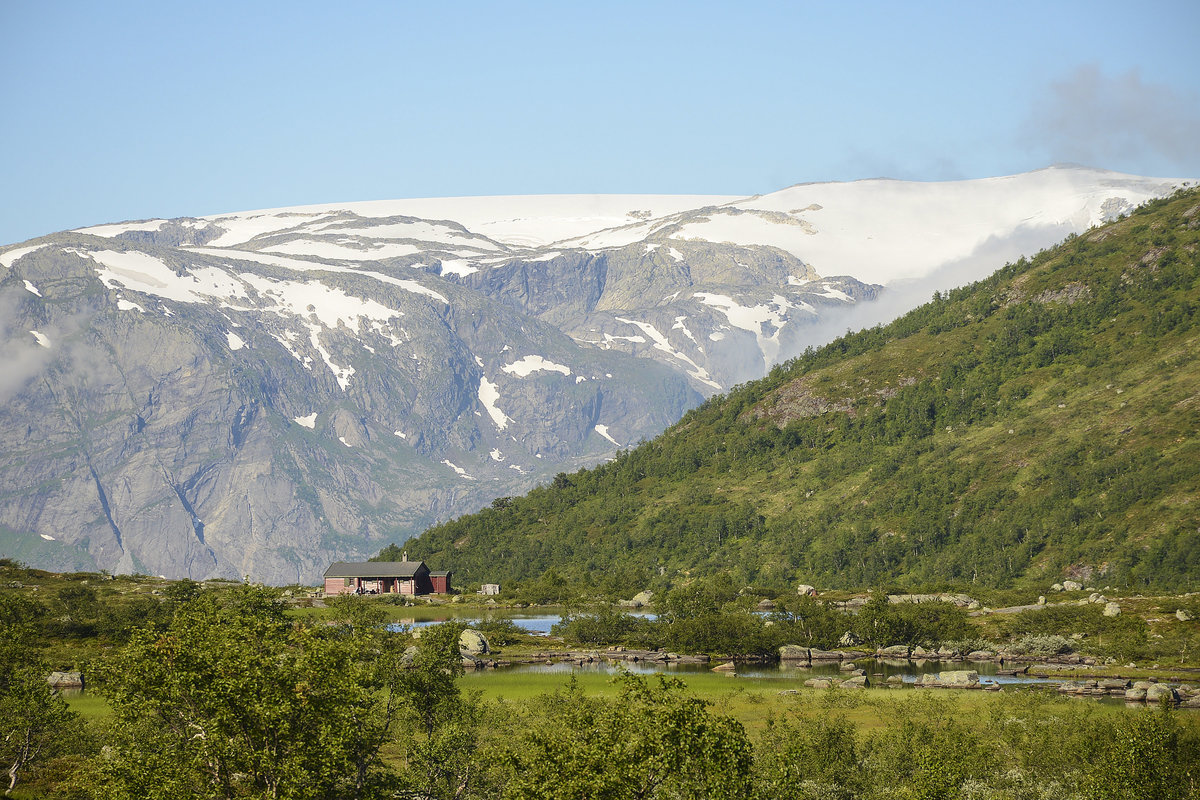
pixel 1040 424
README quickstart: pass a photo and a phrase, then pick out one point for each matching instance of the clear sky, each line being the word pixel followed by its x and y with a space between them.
pixel 121 110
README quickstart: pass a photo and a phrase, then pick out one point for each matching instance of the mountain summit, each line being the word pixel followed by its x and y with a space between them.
pixel 259 393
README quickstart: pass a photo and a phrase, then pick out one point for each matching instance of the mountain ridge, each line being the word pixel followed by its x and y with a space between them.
pixel 264 395
pixel 1036 425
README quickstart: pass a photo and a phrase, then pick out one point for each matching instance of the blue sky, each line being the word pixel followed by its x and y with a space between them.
pixel 123 110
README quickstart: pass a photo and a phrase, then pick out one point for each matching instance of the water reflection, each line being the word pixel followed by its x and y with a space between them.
pixel 537 624
pixel 877 670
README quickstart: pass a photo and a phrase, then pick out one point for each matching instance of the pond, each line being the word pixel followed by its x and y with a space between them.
pixel 537 624
pixel 877 669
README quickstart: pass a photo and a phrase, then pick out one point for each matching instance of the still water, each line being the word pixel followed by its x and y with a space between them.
pixel 877 669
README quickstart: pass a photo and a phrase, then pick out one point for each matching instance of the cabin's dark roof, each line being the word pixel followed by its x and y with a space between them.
pixel 441 573
pixel 376 569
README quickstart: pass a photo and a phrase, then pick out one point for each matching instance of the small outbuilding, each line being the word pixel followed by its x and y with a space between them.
pixel 385 577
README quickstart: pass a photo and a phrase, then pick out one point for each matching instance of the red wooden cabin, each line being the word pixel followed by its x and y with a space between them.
pixel 385 577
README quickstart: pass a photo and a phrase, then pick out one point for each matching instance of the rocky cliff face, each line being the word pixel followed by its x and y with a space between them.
pixel 259 394
pixel 227 420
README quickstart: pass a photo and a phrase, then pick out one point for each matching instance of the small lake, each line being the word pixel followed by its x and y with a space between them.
pixel 877 669
pixel 537 624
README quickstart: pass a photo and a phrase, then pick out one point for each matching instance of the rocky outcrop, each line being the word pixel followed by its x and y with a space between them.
pixel 794 652
pixel 197 414
pixel 951 679
pixel 65 680
pixel 473 643
pixel 639 600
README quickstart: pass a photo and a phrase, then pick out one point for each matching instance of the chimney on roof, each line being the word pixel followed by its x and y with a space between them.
pixel 405 556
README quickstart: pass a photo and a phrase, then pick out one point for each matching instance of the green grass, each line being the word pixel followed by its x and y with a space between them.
pixel 91 706
pixel 755 701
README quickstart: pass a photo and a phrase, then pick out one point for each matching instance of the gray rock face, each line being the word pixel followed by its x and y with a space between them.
pixel 191 415
pixel 184 404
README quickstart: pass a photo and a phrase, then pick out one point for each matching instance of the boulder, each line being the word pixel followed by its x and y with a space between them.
pixel 825 655
pixel 974 605
pixel 980 655
pixel 958 678
pixel 1041 600
pixel 65 680
pixel 818 683
pixel 895 680
pixel 1072 586
pixel 1135 694
pixel 857 682
pixel 766 605
pixel 472 642
pixel 1058 587
pixel 728 666
pixel 895 651
pixel 1183 616
pixel 1112 610
pixel 409 655
pixel 643 598
pixel 1158 691
pixel 805 589
pixel 793 652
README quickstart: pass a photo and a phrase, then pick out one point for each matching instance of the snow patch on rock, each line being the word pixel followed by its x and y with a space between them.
pixel 489 393
pixel 524 367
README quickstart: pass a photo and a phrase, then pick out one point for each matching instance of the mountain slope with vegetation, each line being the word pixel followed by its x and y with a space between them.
pixel 1039 424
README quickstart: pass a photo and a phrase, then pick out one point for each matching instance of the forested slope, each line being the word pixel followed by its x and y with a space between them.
pixel 1038 424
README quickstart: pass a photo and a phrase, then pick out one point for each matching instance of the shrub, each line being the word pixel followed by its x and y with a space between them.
pixel 1041 645
pixel 500 632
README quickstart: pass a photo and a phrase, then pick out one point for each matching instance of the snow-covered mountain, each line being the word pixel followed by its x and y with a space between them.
pixel 262 392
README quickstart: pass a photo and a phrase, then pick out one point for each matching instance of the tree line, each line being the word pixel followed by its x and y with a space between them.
pixel 232 698
pixel 996 436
